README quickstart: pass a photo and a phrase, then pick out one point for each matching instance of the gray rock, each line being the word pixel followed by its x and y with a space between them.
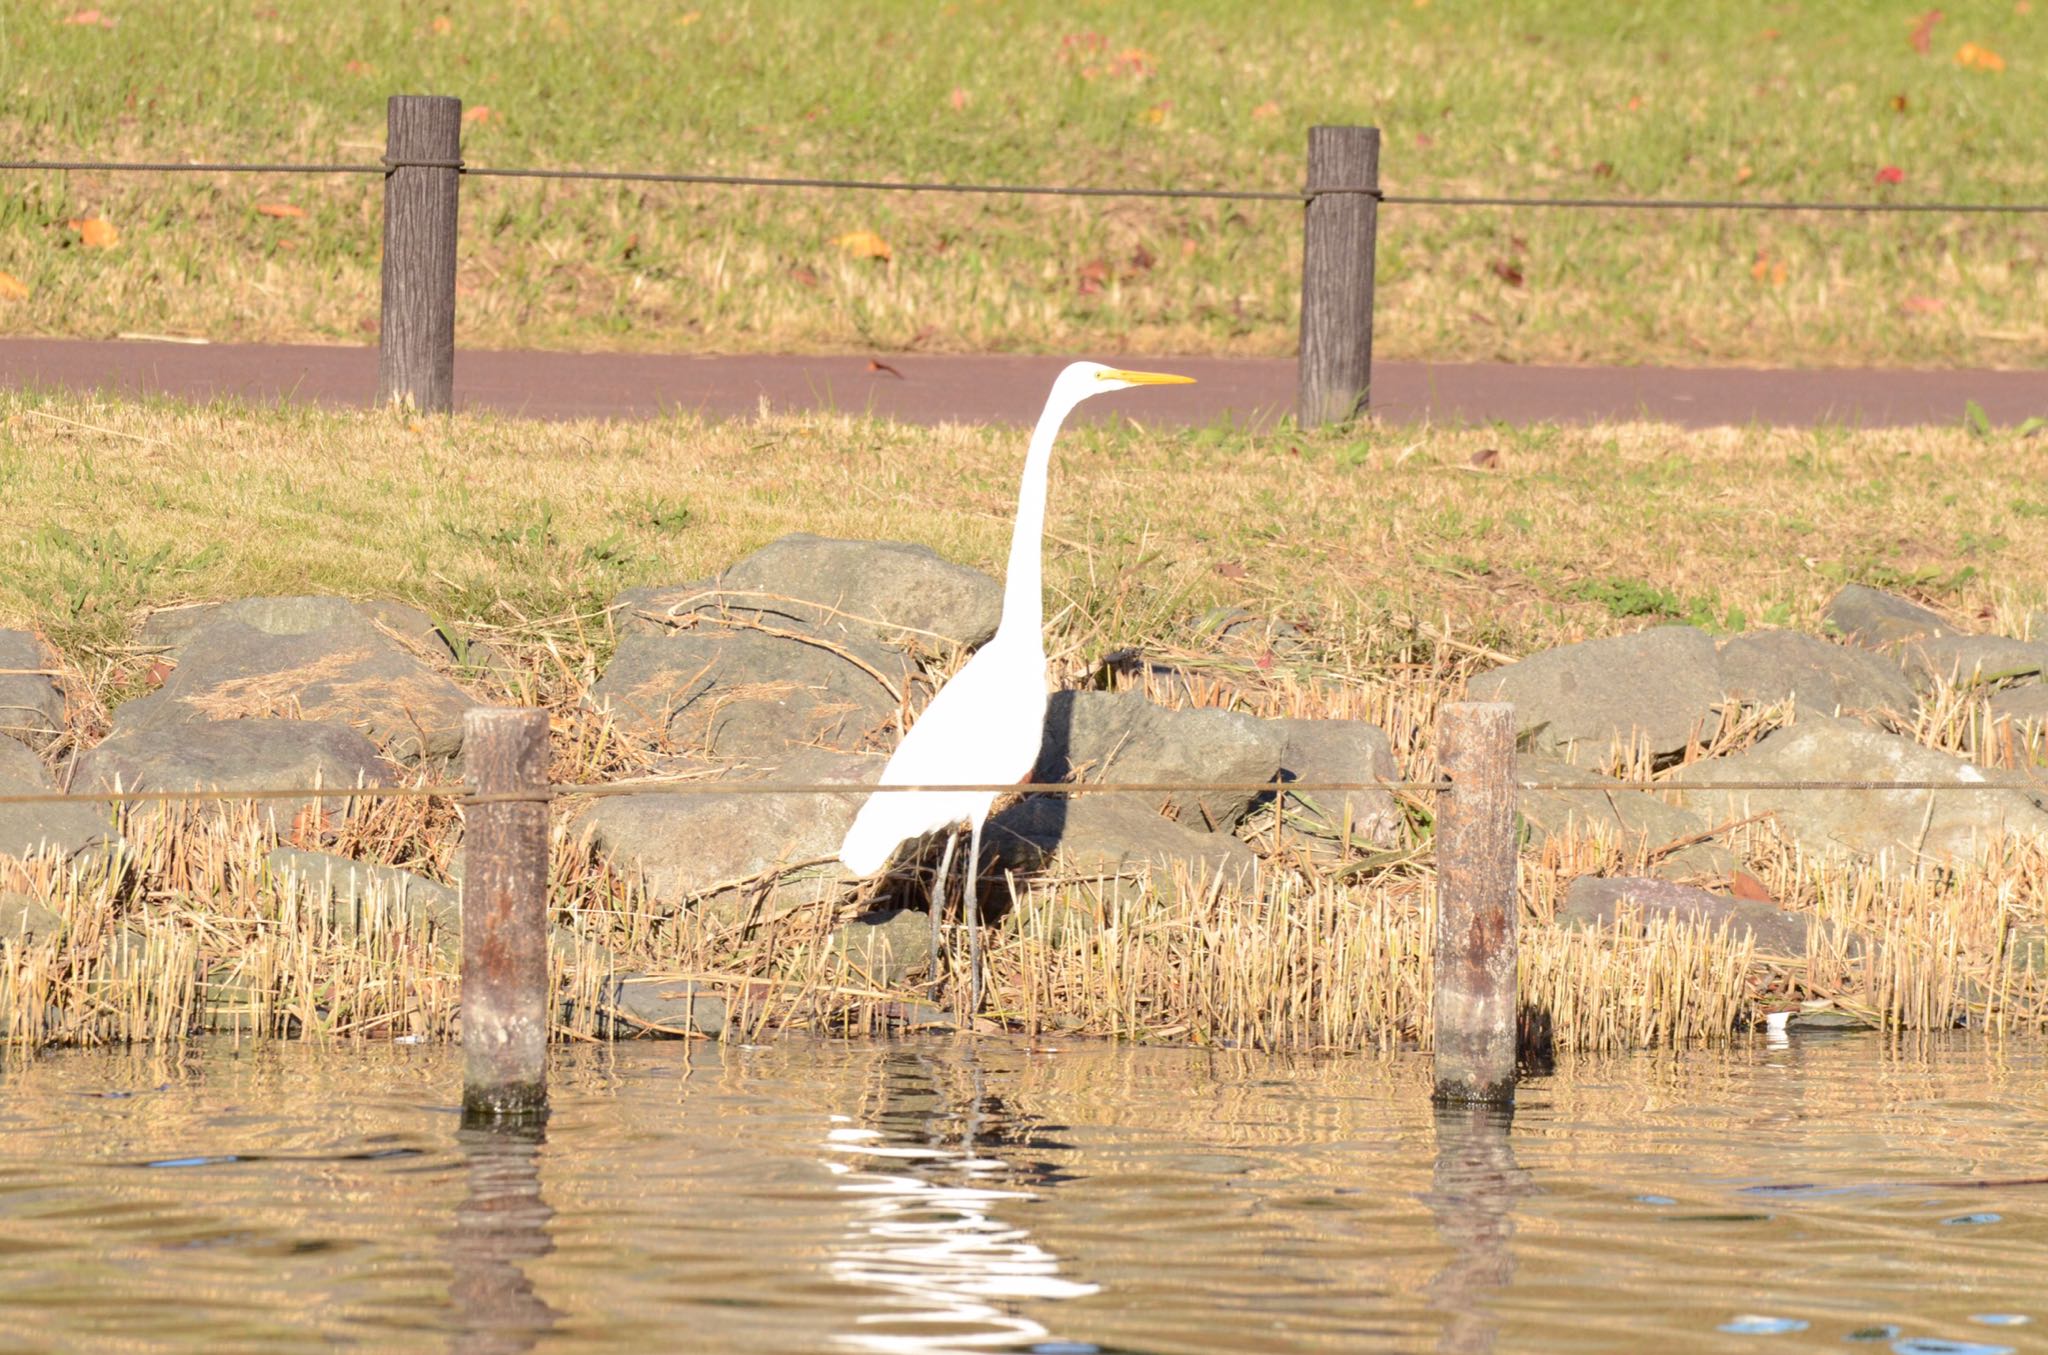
pixel 879 950
pixel 1236 628
pixel 896 586
pixel 1879 620
pixel 1635 820
pixel 1902 824
pixel 1971 659
pixel 1765 667
pixel 21 917
pixel 350 890
pixel 1342 751
pixel 648 1004
pixel 31 702
pixel 1122 737
pixel 887 590
pixel 234 755
pixel 735 855
pixel 746 694
pixel 2021 705
pixel 350 672
pixel 1111 837
pixel 658 609
pixel 169 629
pixel 65 829
pixel 1596 901
pixel 1578 701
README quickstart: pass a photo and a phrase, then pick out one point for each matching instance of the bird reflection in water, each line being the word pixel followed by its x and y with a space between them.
pixel 927 1180
pixel 501 1224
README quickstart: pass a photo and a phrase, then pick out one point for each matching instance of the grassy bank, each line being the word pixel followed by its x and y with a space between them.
pixel 1817 102
pixel 1408 565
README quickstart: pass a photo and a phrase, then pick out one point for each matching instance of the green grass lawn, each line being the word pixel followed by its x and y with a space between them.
pixel 1377 539
pixel 1784 101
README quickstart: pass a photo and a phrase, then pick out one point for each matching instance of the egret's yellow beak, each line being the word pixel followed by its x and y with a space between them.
pixel 1146 378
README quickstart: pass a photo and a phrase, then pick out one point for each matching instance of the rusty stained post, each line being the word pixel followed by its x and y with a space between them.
pixel 1477 910
pixel 504 917
pixel 422 192
pixel 1340 230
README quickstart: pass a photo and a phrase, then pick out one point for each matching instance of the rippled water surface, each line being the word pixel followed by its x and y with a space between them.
pixel 993 1195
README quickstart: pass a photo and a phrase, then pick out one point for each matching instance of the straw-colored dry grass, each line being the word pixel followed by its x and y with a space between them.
pixel 1551 99
pixel 1407 569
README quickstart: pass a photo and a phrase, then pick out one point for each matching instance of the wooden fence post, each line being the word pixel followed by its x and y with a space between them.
pixel 504 917
pixel 1339 227
pixel 1477 909
pixel 422 187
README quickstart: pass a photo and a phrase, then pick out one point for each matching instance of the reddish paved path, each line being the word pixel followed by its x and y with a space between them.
pixel 1009 389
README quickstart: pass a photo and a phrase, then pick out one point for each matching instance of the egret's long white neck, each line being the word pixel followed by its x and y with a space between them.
pixel 1024 587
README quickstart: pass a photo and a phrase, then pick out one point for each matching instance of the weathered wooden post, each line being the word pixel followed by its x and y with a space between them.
pixel 422 187
pixel 1477 911
pixel 504 917
pixel 1339 227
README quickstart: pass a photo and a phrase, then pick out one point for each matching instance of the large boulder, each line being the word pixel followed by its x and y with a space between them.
pixel 1765 667
pixel 1634 820
pixel 26 829
pixel 1602 901
pixel 352 672
pixel 1905 825
pixel 1656 687
pixel 1930 647
pixel 31 702
pixel 744 693
pixel 1122 737
pixel 1876 619
pixel 1111 837
pixel 235 755
pixel 1342 752
pixel 1971 660
pixel 887 590
pixel 735 854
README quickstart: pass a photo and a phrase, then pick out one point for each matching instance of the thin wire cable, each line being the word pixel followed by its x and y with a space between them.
pixel 1049 190
pixel 461 793
pixel 187 167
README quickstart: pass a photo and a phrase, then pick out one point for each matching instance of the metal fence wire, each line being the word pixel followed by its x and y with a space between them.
pixel 386 166
pixel 462 793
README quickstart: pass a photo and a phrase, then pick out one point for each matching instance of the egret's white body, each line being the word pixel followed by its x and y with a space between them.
pixel 984 726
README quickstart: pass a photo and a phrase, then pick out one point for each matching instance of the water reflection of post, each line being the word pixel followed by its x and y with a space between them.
pixel 501 1224
pixel 1472 1194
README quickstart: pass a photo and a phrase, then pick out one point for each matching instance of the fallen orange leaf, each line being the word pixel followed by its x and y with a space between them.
pixel 1922 36
pixel 90 18
pixel 13 288
pixel 1974 58
pixel 481 113
pixel 690 17
pixel 279 209
pixel 864 245
pixel 958 98
pixel 95 233
pixel 1920 305
pixel 1743 885
pixel 1743 174
pixel 1268 109
pixel 442 25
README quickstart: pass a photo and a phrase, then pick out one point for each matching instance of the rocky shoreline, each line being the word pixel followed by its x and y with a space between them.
pixel 802 662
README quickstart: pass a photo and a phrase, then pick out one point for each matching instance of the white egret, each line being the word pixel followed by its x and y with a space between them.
pixel 983 727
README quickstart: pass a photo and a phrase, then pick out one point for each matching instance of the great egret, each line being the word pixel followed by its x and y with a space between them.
pixel 983 727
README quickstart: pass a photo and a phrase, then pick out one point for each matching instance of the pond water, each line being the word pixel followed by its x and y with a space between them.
pixel 975 1195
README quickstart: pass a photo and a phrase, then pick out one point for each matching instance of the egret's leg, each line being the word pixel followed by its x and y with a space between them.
pixel 973 908
pixel 938 898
